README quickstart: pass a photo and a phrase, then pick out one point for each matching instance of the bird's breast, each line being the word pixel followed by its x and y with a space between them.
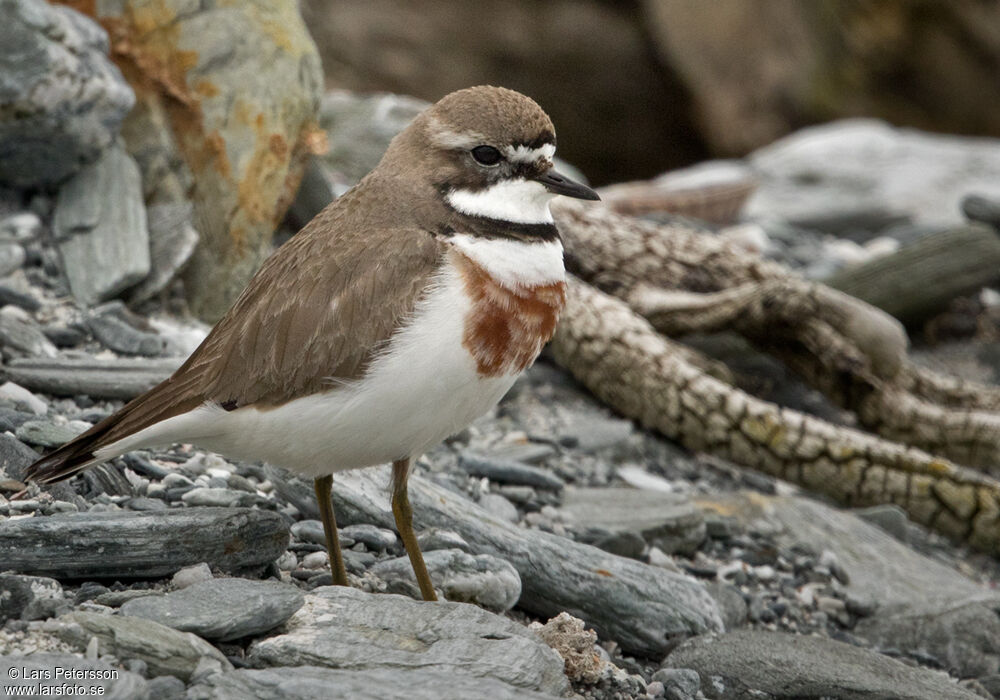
pixel 508 322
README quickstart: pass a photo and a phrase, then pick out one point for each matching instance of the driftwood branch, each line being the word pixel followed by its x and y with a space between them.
pixel 624 360
pixel 642 282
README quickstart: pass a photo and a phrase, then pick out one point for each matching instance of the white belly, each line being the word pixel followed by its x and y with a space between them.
pixel 421 389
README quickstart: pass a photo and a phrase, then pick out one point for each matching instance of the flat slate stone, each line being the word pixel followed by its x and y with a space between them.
pixel 740 664
pixel 646 609
pixel 166 651
pixel 99 379
pixel 665 520
pixel 507 471
pixel 100 228
pixel 222 609
pixel 310 682
pixel 115 684
pixel 348 629
pixel 128 544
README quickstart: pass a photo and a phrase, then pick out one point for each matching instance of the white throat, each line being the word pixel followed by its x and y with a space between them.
pixel 519 201
pixel 515 264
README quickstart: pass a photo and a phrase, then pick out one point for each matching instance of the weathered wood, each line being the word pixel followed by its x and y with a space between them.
pixel 627 364
pixel 920 279
pixel 684 279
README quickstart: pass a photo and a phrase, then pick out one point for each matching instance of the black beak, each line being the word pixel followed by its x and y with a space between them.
pixel 560 184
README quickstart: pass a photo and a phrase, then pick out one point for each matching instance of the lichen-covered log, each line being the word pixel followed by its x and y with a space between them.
pixel 686 280
pixel 621 358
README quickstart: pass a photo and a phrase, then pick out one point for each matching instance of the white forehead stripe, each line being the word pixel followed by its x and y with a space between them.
pixel 518 201
pixel 523 154
pixel 515 263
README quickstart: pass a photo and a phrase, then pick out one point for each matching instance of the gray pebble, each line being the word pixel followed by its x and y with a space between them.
pixel 191 575
pixel 375 538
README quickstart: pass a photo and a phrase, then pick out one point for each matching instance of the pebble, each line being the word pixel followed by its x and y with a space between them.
pixel 481 579
pixel 435 538
pixel 678 682
pixel 377 539
pixel 190 575
pixel 21 396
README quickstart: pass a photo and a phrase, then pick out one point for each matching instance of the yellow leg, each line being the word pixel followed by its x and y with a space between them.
pixel 403 514
pixel 323 486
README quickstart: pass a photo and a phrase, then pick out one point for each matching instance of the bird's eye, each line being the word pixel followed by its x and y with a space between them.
pixel 486 155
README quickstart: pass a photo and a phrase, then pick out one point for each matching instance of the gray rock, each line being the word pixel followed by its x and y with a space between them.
pixel 593 434
pixel 15 457
pixel 310 682
pixel 312 531
pixel 359 128
pixel 104 680
pixel 348 629
pixel 18 298
pixel 867 164
pixel 963 637
pixel 527 452
pixel 127 544
pixel 877 565
pixel 748 663
pixel 508 471
pixel 222 609
pixel 484 580
pixel 20 333
pixel 49 433
pixel 644 608
pixel 29 597
pixel 99 379
pixel 110 324
pixel 665 520
pixel 731 604
pixel 172 240
pixel 434 538
pixel 12 257
pixel 679 682
pixel 100 228
pixel 22 227
pixel 164 650
pixel 9 391
pixel 917 604
pixel 62 100
pixel 889 517
pixel 167 688
pixel 223 498
pixel 374 538
pixel 190 575
pixel 497 505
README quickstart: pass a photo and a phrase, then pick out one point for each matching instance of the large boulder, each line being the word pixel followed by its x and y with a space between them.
pixel 227 98
pixel 61 99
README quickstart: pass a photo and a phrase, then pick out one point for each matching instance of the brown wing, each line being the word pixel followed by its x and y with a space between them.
pixel 315 314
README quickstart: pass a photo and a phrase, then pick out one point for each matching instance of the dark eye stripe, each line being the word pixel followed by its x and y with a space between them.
pixel 486 155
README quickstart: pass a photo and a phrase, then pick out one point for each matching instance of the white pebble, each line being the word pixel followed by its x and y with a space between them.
pixel 314 560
